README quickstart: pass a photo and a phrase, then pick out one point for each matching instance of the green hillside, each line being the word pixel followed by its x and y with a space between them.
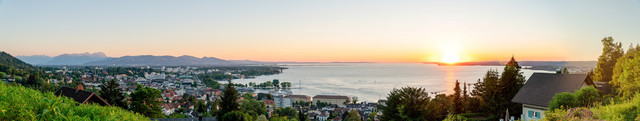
pixel 24 104
pixel 8 60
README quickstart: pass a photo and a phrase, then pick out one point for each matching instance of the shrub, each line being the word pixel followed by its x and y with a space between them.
pixel 563 101
pixel 235 116
pixel 587 96
pixel 628 110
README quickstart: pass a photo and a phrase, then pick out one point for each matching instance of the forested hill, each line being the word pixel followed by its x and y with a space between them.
pixel 8 60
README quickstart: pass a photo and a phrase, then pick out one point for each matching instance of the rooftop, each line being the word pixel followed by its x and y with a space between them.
pixel 541 87
pixel 330 97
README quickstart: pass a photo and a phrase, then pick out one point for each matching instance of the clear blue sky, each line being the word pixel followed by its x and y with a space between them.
pixel 329 30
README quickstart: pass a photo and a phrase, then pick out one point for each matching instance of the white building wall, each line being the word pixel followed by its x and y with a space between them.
pixel 282 102
pixel 532 113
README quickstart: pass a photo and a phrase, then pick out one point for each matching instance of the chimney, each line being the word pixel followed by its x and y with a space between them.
pixel 79 86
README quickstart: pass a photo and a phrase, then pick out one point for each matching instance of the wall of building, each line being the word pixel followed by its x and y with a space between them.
pixel 300 99
pixel 339 102
pixel 532 113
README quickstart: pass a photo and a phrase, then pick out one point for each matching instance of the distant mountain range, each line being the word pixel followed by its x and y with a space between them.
pixel 64 59
pixel 100 59
pixel 161 60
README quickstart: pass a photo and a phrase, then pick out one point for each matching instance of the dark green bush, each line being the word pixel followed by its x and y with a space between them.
pixel 563 100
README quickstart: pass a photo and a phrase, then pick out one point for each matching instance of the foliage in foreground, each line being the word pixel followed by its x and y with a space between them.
pixel 585 97
pixel 21 103
pixel 623 111
pixel 626 74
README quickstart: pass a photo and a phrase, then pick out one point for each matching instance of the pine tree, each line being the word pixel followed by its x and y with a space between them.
pixel 465 99
pixel 112 92
pixel 606 62
pixel 510 83
pixel 487 92
pixel 229 99
pixel 457 99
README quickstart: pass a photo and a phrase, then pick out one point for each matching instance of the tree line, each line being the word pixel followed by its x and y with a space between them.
pixel 488 100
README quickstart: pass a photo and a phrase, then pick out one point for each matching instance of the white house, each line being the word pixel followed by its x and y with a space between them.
pixel 539 90
pixel 282 101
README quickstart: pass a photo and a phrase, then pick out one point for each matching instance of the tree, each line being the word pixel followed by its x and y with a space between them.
pixel 282 118
pixel 235 116
pixel 302 116
pixel 276 83
pixel 322 104
pixel 112 93
pixel 286 84
pixel 211 83
pixel 177 115
pixel 466 100
pixel 407 103
pixel 438 108
pixel 145 101
pixel 457 99
pixel 247 96
pixel 487 92
pixel 201 107
pixel 346 102
pixel 262 118
pixel 213 107
pixel 611 51
pixel 372 116
pixel 229 100
pixel 587 96
pixel 626 73
pixel 353 116
pixel 510 83
pixel 189 99
pixel 354 100
pixel 262 96
pixel 563 100
pixel 288 112
pixel 253 107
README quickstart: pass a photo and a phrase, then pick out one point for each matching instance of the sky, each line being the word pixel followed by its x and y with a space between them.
pixel 320 31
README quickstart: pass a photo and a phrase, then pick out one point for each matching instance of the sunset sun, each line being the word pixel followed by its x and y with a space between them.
pixel 450 57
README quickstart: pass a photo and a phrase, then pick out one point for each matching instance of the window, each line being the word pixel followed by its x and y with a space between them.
pixel 534 114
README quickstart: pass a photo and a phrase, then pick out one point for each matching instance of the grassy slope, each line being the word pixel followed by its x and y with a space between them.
pixel 21 103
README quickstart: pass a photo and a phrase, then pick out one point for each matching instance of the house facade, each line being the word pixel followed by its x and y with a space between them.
pixel 298 98
pixel 282 101
pixel 540 88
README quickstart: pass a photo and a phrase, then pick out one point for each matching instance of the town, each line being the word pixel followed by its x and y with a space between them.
pixel 178 84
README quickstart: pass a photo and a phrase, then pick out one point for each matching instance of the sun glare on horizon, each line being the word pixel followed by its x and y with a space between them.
pixel 450 57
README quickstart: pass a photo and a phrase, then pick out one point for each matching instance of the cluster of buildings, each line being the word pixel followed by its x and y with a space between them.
pixel 175 83
pixel 332 104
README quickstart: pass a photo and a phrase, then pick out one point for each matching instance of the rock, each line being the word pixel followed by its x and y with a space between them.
pixel 579 112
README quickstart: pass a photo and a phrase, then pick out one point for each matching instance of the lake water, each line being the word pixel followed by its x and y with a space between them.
pixel 373 81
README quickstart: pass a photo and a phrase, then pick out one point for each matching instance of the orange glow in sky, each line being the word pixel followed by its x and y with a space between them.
pixel 321 31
